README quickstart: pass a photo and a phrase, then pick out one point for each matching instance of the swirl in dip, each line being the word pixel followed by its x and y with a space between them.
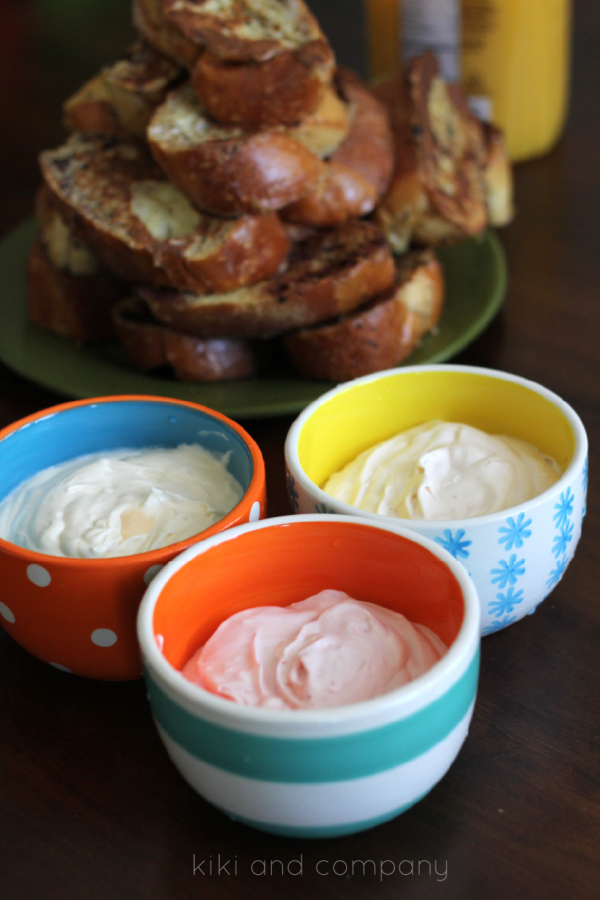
pixel 329 650
pixel 120 503
pixel 443 471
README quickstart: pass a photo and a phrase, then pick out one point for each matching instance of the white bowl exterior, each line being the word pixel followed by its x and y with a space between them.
pixel 313 805
pixel 515 557
pixel 324 809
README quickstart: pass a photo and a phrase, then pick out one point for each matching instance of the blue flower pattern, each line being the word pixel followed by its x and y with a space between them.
pixel 512 535
pixel 564 527
pixel 508 572
pixel 561 540
pixel 498 624
pixel 557 573
pixel 505 603
pixel 292 492
pixel 455 544
pixel 516 533
pixel 564 508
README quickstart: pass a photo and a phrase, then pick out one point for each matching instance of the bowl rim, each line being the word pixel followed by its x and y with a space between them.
pixel 149 557
pixel 565 480
pixel 419 692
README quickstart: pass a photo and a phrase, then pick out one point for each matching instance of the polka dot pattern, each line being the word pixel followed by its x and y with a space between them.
pixel 7 613
pixel 151 573
pixel 104 637
pixel 254 512
pixel 38 575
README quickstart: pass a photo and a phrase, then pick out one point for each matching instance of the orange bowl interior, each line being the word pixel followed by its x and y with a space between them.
pixel 283 564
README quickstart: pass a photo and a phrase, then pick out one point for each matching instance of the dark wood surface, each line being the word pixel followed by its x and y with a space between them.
pixel 90 806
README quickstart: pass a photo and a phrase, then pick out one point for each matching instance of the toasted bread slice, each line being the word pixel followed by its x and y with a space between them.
pixel 322 171
pixel 379 334
pixel 76 306
pixel 122 97
pixel 65 250
pixel 329 274
pixel 143 228
pixel 262 62
pixel 149 19
pixel 151 345
pixel 498 178
pixel 327 128
pixel 228 170
pixel 358 172
pixel 242 30
pixel 278 91
pixel 438 192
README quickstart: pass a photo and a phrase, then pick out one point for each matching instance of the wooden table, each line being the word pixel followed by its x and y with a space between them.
pixel 91 808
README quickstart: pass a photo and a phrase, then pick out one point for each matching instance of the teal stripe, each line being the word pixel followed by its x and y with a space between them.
pixel 329 831
pixel 314 760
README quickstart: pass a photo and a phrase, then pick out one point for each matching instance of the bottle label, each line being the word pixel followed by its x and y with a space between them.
pixel 433 25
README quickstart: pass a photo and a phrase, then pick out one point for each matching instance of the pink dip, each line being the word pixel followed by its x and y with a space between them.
pixel 326 651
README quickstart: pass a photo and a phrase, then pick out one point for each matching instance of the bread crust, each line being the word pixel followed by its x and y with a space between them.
pixel 123 96
pixel 150 21
pixel 378 335
pixel 228 171
pixel 437 194
pixel 243 30
pixel 278 91
pixel 329 274
pixel 72 306
pixel 100 185
pixel 151 345
pixel 450 147
pixel 358 172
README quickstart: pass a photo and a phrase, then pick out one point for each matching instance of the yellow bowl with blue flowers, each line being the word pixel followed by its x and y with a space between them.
pixel 515 556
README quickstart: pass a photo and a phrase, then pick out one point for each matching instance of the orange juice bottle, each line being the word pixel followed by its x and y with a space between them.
pixel 515 68
pixel 511 57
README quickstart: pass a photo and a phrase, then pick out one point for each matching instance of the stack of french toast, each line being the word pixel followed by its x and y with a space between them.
pixel 227 191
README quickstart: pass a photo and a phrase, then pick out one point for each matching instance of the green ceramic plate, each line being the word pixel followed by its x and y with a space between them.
pixel 475 281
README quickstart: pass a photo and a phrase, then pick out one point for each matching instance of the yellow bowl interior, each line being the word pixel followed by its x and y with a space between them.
pixel 362 416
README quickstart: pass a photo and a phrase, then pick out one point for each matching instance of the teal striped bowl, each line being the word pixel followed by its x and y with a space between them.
pixel 315 773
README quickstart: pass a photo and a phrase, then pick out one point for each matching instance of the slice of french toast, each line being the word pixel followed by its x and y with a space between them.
pixel 150 21
pixel 228 170
pixel 123 96
pixel 330 273
pixel 379 334
pixel 438 192
pixel 244 30
pixel 277 91
pixel 151 345
pixel 142 228
pixel 66 301
pixel 253 62
pixel 331 166
pixel 357 173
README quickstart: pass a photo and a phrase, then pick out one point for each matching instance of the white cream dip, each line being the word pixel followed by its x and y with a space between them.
pixel 119 503
pixel 328 650
pixel 443 471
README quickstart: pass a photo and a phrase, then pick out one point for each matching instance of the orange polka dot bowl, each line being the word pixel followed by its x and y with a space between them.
pixel 79 614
